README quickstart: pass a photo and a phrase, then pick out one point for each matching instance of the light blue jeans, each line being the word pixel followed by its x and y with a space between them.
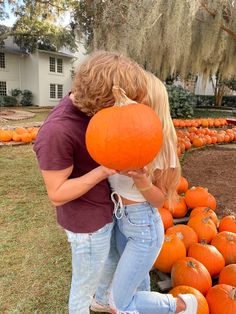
pixel 89 253
pixel 142 227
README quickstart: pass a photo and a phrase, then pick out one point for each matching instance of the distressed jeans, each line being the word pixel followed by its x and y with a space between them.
pixel 142 227
pixel 89 253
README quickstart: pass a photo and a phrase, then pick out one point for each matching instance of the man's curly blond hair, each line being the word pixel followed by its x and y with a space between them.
pixel 93 82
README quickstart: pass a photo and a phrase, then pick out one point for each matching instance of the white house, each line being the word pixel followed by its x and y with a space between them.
pixel 47 74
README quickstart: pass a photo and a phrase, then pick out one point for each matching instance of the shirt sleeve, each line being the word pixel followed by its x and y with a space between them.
pixel 54 147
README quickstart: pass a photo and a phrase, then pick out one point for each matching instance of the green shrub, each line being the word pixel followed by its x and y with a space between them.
pixel 16 92
pixel 182 102
pixel 27 97
pixel 8 101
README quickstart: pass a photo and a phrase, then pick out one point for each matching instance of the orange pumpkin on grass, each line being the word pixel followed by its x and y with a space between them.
pixel 125 136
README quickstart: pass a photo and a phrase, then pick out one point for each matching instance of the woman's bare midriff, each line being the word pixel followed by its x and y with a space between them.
pixel 125 201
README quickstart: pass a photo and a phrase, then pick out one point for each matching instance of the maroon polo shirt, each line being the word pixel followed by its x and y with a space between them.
pixel 60 143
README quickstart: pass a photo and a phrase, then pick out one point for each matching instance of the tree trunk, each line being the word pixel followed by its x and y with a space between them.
pixel 219 93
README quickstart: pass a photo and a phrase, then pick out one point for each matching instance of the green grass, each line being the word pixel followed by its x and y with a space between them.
pixel 205 113
pixel 34 254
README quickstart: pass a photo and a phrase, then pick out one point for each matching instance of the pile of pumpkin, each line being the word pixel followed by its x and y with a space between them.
pixel 205 122
pixel 19 134
pixel 198 137
pixel 201 252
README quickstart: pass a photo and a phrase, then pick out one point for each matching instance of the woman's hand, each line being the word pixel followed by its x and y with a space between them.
pixel 140 176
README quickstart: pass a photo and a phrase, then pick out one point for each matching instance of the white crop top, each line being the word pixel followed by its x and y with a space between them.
pixel 125 186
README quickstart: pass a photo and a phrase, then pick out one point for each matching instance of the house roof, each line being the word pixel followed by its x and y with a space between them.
pixel 57 53
pixel 13 51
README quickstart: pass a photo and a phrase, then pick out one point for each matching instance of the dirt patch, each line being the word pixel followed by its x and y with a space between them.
pixel 214 169
pixel 16 115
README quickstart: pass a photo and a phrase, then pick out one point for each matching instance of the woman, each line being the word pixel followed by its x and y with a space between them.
pixel 139 228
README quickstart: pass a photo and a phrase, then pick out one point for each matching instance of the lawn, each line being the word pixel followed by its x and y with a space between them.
pixel 34 254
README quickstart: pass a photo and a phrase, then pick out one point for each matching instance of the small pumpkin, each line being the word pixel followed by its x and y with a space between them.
pixel 225 242
pixel 196 197
pixel 182 185
pixel 222 299
pixel 188 234
pixel 190 272
pixel 205 212
pixel 125 136
pixel 203 307
pixel 204 227
pixel 179 207
pixel 172 250
pixel 228 275
pixel 209 256
pixel 228 223
pixel 211 202
pixel 166 217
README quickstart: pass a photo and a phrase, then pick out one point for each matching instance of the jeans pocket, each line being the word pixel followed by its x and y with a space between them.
pixel 138 219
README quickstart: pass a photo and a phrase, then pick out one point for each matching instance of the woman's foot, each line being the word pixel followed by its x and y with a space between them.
pixel 186 304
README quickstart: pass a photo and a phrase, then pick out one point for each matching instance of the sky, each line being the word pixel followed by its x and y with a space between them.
pixel 10 21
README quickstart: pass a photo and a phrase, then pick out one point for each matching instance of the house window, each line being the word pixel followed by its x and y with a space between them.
pixel 56 91
pixel 3 88
pixel 55 65
pixel 2 60
pixel 52 64
pixel 59 91
pixel 59 66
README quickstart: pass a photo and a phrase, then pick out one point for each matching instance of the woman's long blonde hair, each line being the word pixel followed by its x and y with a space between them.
pixel 168 177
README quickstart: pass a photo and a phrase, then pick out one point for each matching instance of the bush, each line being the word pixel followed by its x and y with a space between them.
pixel 208 101
pixel 16 92
pixel 182 102
pixel 8 101
pixel 27 97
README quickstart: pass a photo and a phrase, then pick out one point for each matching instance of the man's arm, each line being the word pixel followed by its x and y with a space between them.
pixel 61 190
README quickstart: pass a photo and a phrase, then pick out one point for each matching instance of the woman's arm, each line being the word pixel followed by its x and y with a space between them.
pixel 61 189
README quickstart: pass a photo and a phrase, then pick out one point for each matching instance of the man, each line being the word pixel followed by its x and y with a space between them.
pixel 75 183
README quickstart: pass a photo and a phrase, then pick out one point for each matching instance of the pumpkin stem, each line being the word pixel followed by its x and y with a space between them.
pixel 120 97
pixel 191 264
pixel 233 294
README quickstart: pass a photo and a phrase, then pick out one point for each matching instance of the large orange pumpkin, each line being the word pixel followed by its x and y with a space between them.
pixel 179 207
pixel 204 212
pixel 125 136
pixel 190 272
pixel 222 299
pixel 202 302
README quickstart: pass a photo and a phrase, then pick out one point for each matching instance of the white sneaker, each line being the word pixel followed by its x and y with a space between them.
pixel 98 307
pixel 191 303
